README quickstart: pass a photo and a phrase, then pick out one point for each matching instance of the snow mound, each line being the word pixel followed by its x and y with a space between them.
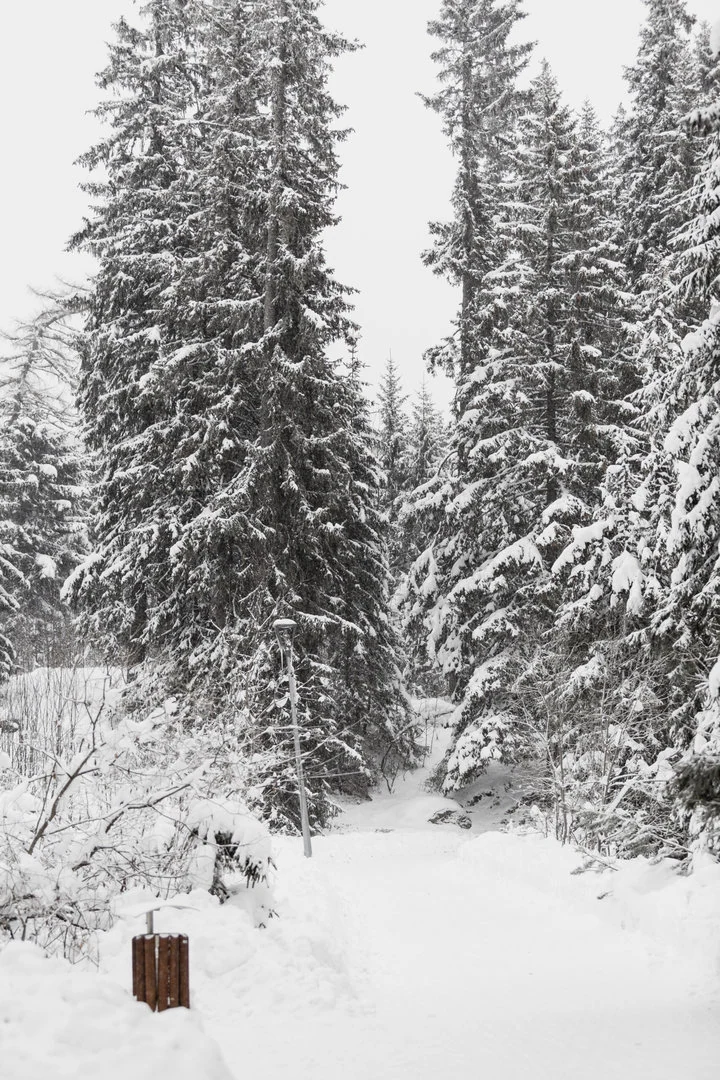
pixel 679 913
pixel 296 960
pixel 672 916
pixel 62 1021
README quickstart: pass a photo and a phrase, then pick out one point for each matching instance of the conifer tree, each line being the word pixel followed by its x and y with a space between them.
pixel 540 414
pixel 392 452
pixel 42 485
pixel 479 102
pixel 392 431
pixel 640 608
pixel 688 618
pixel 660 156
pixel 138 365
pixel 420 519
pixel 239 481
pixel 427 439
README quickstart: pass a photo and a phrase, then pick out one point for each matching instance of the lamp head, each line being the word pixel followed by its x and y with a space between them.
pixel 285 632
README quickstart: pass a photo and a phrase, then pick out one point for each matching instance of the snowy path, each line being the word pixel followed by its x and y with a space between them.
pixel 460 968
pixel 404 950
pixel 428 952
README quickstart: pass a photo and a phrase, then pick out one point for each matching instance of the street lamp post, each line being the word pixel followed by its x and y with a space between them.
pixel 285 633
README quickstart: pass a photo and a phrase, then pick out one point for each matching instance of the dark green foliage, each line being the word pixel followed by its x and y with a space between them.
pixel 697 785
pixel 538 415
pixel 43 497
pixel 238 478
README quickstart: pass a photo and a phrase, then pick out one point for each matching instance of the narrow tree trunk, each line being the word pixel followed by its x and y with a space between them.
pixel 551 431
pixel 468 189
pixel 279 123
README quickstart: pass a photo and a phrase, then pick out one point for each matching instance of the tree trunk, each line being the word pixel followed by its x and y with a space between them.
pixel 279 123
pixel 468 188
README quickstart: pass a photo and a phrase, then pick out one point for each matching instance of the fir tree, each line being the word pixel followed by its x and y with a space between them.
pixel 427 439
pixel 660 156
pixel 540 414
pixel 42 486
pixel 479 102
pixel 135 374
pixel 392 431
pixel 420 519
pixel 641 609
pixel 392 451
pixel 239 482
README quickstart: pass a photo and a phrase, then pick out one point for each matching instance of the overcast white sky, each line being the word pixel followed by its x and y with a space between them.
pixel 396 167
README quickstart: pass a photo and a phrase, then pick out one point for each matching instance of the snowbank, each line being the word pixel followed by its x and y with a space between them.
pixel 676 916
pixel 681 914
pixel 238 970
pixel 59 1020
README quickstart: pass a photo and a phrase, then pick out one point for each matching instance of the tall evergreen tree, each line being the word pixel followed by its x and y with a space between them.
pixel 427 439
pixel 540 415
pixel 420 519
pixel 479 101
pixel 640 599
pixel 239 483
pixel 136 371
pixel 392 431
pixel 42 486
pixel 660 156
pixel 393 452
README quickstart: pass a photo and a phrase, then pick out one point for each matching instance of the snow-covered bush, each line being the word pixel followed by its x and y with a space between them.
pixel 599 759
pixel 97 800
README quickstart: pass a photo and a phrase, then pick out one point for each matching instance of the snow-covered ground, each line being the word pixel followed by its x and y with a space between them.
pixel 58 1021
pixel 404 950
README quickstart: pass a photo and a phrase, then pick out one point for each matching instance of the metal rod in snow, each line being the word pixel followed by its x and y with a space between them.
pixel 304 816
pixel 285 631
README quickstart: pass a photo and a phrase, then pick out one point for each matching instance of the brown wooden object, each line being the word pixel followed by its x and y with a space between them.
pixel 184 957
pixel 161 975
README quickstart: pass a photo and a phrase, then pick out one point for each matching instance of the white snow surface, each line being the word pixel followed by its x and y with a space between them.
pixel 61 1021
pixel 403 950
pixel 714 681
pixel 715 38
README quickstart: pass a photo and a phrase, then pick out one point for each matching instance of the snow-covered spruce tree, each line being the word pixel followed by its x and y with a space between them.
pixel 643 574
pixel 659 154
pixel 42 484
pixel 479 102
pixel 238 484
pixel 307 498
pixel 706 67
pixel 427 447
pixel 540 417
pixel 137 374
pixel 687 621
pixel 392 452
pixel 419 519
pixel 392 430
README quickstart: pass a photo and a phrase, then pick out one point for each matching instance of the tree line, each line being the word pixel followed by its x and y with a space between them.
pixel 570 589
pixel 549 557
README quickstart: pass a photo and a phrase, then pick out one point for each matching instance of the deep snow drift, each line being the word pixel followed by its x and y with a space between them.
pixel 405 951
pixel 60 1021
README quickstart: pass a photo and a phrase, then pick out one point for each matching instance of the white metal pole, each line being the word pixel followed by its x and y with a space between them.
pixel 304 816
